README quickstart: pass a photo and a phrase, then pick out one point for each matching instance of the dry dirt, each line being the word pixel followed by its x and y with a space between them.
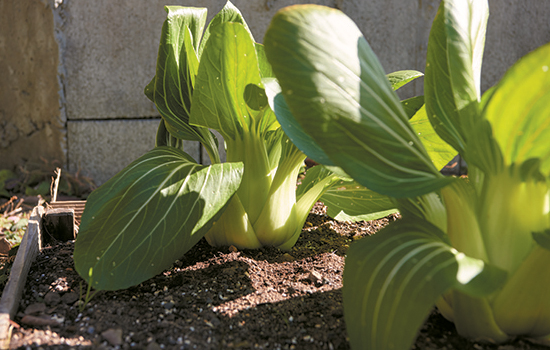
pixel 214 299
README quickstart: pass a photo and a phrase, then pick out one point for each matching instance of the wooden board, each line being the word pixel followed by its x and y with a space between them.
pixel 28 250
pixel 77 206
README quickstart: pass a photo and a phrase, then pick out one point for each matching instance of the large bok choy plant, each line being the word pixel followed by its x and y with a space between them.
pixel 478 247
pixel 148 215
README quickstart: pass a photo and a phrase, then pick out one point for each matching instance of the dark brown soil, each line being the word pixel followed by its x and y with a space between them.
pixel 214 299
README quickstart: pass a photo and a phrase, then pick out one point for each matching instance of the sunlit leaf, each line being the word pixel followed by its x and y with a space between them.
pixel 518 110
pixel 453 69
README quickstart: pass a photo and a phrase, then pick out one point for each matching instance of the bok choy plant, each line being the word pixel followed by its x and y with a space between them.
pixel 478 247
pixel 148 215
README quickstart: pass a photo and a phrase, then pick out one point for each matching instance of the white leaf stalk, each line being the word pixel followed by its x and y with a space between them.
pixel 496 224
pixel 265 211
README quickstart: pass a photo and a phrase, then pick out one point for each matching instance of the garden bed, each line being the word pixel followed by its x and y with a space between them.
pixel 213 299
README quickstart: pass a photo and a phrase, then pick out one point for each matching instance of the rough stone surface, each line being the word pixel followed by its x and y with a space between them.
pixel 514 29
pixel 101 149
pixel 31 123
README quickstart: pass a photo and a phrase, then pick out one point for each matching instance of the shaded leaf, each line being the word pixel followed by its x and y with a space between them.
pixel 349 201
pixel 148 215
pixel 290 125
pixel 338 92
pixel 408 260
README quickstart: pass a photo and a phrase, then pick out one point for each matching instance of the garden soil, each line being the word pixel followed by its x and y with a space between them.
pixel 214 298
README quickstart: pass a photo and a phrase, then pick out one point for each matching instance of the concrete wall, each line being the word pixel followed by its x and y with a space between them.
pixel 31 122
pixel 107 54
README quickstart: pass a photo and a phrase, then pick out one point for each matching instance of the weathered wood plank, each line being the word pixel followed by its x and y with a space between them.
pixel 28 250
pixel 77 206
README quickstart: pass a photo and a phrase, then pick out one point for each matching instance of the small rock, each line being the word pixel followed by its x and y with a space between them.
pixel 233 249
pixel 113 336
pixel 287 257
pixel 168 305
pixel 39 320
pixel 315 277
pixel 35 308
pixel 153 346
pixel 69 298
pixel 52 298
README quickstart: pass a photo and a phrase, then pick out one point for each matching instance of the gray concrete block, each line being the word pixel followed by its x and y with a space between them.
pixel 515 28
pixel 101 149
pixel 109 56
pixel 32 125
pixel 110 50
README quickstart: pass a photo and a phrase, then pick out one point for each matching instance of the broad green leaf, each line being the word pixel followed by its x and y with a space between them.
pixel 229 13
pixel 148 215
pixel 338 92
pixel 542 238
pixel 176 69
pixel 290 125
pixel 265 67
pixel 229 94
pixel 402 77
pixel 441 153
pixel 349 201
pixel 453 68
pixel 412 105
pixel 149 90
pixel 177 66
pixel 406 261
pixel 519 107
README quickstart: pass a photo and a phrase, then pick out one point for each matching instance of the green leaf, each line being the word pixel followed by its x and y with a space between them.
pixel 149 90
pixel 265 67
pixel 6 174
pixel 412 105
pixel 177 66
pixel 542 238
pixel 402 77
pixel 518 110
pixel 290 125
pixel 147 216
pixel 349 201
pixel 229 13
pixel 453 68
pixel 441 153
pixel 229 95
pixel 176 69
pixel 338 92
pixel 164 138
pixel 42 189
pixel 393 278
